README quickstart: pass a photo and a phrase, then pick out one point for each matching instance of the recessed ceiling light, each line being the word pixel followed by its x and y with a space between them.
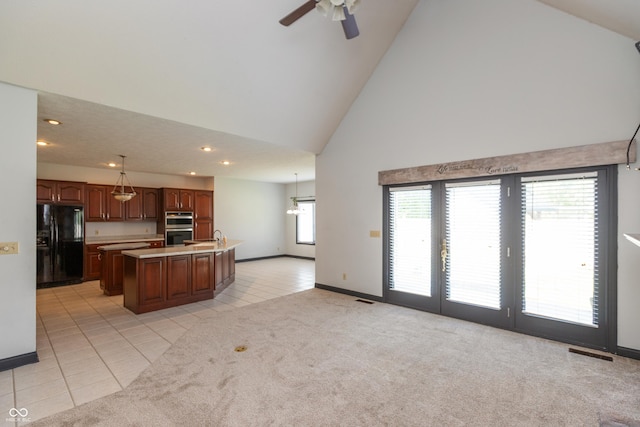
pixel 226 162
pixel 192 173
pixel 53 122
pixel 42 143
pixel 112 165
pixel 207 149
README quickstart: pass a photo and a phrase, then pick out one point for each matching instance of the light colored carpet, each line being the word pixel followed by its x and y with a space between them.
pixel 317 358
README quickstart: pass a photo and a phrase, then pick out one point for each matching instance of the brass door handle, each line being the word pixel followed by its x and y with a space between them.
pixel 443 254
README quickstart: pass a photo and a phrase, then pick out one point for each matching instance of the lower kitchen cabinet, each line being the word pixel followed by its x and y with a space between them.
pixel 225 269
pixel 92 264
pixel 112 272
pixel 167 281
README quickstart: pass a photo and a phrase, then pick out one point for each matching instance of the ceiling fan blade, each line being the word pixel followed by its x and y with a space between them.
pixel 298 13
pixel 349 25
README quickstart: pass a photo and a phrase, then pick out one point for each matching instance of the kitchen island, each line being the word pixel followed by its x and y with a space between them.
pixel 159 278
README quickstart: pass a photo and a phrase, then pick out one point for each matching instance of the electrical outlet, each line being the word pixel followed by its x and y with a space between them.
pixel 374 233
pixel 97 232
pixel 8 248
pixel 146 230
pixel 344 276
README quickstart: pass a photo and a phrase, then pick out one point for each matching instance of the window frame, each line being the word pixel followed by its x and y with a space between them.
pixel 311 202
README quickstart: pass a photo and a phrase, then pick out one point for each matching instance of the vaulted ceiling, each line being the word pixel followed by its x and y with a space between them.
pixel 158 80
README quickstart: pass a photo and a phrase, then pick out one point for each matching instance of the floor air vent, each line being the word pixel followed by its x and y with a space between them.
pixel 364 301
pixel 590 354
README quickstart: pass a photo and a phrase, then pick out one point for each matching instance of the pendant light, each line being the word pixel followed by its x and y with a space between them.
pixel 293 209
pixel 119 192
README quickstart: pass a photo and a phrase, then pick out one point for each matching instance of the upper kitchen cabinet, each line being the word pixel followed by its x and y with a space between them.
pixel 203 215
pixel 174 199
pixel 144 206
pixel 67 192
pixel 101 205
pixel 203 205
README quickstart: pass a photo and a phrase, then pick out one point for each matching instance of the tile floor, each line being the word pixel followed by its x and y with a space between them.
pixel 90 346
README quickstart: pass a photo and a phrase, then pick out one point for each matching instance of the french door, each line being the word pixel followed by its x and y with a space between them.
pixel 522 252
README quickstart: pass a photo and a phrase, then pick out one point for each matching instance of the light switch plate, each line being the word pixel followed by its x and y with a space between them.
pixel 374 233
pixel 8 248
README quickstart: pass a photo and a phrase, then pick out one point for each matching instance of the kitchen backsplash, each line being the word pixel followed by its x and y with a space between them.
pixel 101 229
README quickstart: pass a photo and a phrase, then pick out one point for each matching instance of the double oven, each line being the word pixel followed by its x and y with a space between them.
pixel 178 227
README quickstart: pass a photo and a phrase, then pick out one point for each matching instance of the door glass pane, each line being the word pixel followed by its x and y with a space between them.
pixel 472 228
pixel 410 240
pixel 560 240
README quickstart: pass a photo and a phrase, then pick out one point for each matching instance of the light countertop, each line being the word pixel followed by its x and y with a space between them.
pixel 124 246
pixel 105 240
pixel 181 250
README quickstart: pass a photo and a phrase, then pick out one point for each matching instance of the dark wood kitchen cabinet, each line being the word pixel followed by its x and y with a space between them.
pixel 203 215
pixel 167 281
pixel 92 262
pixel 65 192
pixel 224 269
pixel 175 199
pixel 112 271
pixel 144 206
pixel 101 205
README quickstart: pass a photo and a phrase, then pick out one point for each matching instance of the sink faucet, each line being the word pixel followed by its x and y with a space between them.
pixel 214 235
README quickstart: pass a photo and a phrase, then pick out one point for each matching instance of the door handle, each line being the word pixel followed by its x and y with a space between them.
pixel 443 254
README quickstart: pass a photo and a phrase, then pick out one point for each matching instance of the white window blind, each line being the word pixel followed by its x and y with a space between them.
pixel 472 227
pixel 560 218
pixel 410 240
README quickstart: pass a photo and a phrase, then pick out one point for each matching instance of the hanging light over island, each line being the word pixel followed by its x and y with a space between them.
pixel 119 190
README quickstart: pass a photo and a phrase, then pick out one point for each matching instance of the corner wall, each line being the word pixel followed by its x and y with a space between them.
pixel 18 115
pixel 466 80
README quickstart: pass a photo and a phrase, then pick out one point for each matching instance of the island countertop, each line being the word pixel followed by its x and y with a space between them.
pixel 181 250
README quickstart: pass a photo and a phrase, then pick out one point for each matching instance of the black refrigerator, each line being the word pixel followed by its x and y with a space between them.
pixel 59 244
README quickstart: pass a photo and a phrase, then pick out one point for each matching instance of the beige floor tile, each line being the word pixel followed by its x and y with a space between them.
pixel 7 401
pixel 153 349
pixel 6 383
pixel 95 390
pixel 90 364
pixel 40 366
pixel 172 334
pixel 48 406
pixel 40 392
pixel 66 359
pixel 33 379
pixel 96 374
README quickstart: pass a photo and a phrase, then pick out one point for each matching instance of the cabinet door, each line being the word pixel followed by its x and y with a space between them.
pixel 93 262
pixel 178 276
pixel 152 281
pixel 203 229
pixel 70 192
pixel 95 209
pixel 171 199
pixel 115 208
pixel 218 269
pixel 150 203
pixel 187 200
pixel 225 265
pixel 45 191
pixel 202 278
pixel 203 205
pixel 134 208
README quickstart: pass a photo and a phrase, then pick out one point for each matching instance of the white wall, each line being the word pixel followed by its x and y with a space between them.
pixel 305 189
pixel 467 80
pixel 18 113
pixel 251 211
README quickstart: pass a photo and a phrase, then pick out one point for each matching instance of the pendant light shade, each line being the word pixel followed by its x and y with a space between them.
pixel 120 190
pixel 293 209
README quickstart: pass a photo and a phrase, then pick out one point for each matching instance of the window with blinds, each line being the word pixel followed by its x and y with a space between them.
pixel 410 240
pixel 473 239
pixel 560 223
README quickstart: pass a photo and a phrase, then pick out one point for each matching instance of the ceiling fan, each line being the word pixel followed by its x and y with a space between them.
pixel 338 10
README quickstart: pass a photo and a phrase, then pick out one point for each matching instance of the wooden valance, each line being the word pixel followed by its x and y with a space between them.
pixel 607 153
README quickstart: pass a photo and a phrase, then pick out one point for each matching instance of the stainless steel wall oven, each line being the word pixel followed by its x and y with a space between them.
pixel 178 227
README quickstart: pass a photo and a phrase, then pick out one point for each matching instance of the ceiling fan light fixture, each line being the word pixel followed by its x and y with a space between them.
pixel 338 13
pixel 352 5
pixel 324 7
